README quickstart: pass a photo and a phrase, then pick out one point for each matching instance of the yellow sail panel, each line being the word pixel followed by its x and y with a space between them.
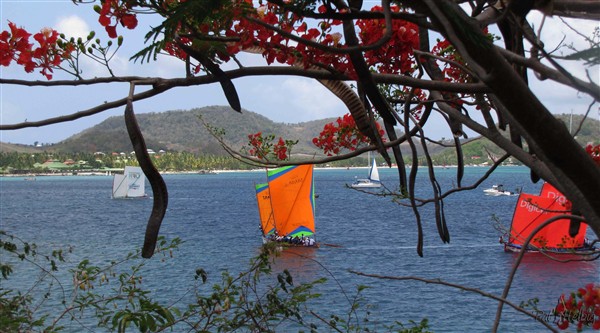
pixel 263 199
pixel 292 200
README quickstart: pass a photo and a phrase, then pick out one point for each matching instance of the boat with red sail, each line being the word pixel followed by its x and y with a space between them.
pixel 562 236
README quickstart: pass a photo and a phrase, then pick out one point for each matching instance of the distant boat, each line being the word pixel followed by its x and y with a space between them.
pixel 498 190
pixel 372 181
pixel 131 184
pixel 286 206
pixel 532 210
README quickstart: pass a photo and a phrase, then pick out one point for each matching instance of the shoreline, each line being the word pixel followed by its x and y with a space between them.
pixel 109 173
pixel 112 172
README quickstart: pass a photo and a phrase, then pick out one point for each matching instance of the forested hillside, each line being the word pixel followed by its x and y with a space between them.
pixel 183 131
pixel 481 150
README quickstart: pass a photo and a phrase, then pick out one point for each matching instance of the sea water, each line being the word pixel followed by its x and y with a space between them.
pixel 216 217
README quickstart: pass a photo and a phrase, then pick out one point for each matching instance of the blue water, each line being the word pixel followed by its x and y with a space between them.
pixel 216 217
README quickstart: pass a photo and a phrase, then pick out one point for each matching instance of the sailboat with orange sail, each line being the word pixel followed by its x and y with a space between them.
pixel 286 205
pixel 562 236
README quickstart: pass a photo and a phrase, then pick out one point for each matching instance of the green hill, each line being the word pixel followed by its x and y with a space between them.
pixel 183 131
pixel 479 150
pixel 19 148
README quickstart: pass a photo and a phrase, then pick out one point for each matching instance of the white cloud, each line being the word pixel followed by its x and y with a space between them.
pixel 288 100
pixel 165 66
pixel 76 27
pixel 311 99
pixel 73 26
pixel 556 33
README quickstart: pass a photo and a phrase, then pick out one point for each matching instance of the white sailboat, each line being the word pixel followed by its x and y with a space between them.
pixel 131 184
pixel 370 182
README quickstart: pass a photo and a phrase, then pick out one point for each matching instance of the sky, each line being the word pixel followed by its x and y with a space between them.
pixel 281 99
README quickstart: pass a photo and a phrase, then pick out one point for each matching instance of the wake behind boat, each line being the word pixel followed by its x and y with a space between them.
pixel 286 206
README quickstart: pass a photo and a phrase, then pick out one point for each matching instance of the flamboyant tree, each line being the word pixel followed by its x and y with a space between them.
pixel 399 76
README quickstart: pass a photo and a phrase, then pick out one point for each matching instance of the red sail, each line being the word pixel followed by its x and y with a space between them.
pixel 533 210
pixel 549 191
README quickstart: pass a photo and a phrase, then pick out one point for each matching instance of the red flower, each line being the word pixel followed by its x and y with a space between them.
pixel 580 308
pixel 594 152
pixel 47 54
pixel 129 21
pixel 333 139
pixel 104 20
pixel 280 150
pixel 112 12
pixel 111 30
pixel 563 325
pixel 261 146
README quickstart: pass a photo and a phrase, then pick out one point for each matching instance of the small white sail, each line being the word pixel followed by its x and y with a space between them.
pixel 131 184
pixel 119 186
pixel 374 173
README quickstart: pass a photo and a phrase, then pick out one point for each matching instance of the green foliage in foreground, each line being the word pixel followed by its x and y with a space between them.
pixel 113 298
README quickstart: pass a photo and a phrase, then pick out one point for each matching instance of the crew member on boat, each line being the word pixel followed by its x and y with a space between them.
pixel 304 241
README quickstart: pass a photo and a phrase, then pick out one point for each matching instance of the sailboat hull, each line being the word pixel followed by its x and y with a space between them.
pixel 282 243
pixel 365 183
pixel 510 247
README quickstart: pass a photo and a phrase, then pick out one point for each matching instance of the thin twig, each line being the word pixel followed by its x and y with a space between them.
pixel 501 300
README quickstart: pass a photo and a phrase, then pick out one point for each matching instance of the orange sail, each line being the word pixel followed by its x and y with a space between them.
pixel 292 200
pixel 263 199
pixel 533 210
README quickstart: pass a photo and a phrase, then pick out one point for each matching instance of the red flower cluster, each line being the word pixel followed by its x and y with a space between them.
pixel 280 150
pixel 277 48
pixel 113 12
pixel 395 57
pixel 594 152
pixel 453 73
pixel 257 144
pixel 15 45
pixel 446 50
pixel 343 134
pixel 262 147
pixel 581 308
